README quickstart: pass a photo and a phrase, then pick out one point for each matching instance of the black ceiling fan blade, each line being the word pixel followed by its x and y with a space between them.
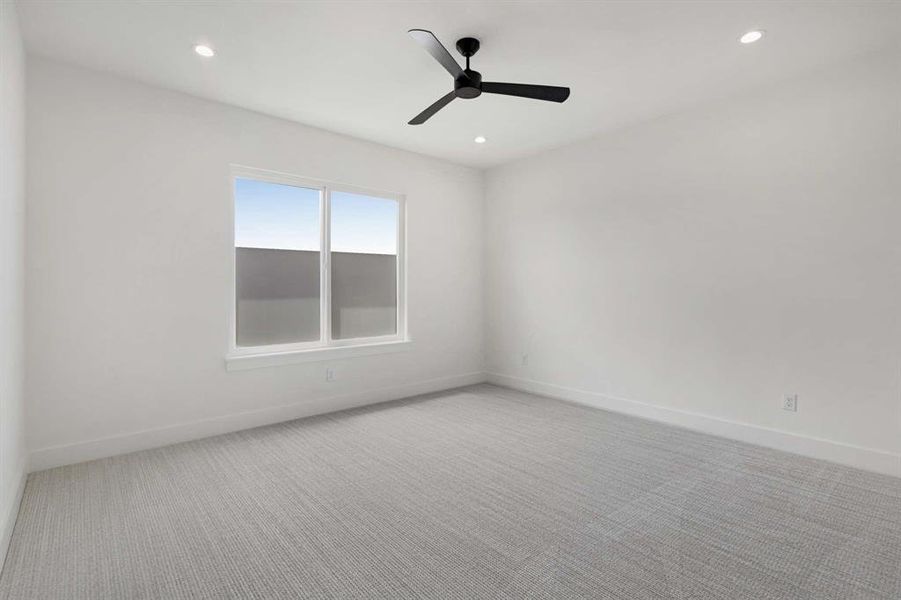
pixel 427 40
pixel 550 93
pixel 430 111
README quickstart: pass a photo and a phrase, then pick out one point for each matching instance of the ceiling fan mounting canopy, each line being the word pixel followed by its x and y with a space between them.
pixel 468 46
pixel 468 84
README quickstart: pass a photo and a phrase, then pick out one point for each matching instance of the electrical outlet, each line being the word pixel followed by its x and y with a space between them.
pixel 329 374
pixel 790 402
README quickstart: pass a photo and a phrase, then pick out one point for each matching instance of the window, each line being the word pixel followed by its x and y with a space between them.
pixel 317 265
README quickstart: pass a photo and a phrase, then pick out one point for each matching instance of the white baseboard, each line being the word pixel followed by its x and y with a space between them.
pixel 869 459
pixel 10 511
pixel 56 456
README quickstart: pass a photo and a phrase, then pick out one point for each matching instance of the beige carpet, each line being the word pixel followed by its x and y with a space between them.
pixel 474 493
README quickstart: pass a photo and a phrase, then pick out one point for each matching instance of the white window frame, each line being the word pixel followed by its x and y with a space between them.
pixel 243 357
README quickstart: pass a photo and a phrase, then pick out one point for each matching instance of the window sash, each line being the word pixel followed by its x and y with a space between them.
pixel 326 340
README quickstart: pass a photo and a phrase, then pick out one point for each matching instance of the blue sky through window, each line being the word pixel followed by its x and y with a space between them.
pixel 363 224
pixel 272 215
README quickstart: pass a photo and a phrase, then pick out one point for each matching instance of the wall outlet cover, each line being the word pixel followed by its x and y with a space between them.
pixel 790 402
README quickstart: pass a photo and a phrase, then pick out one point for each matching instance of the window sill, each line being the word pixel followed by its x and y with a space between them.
pixel 241 362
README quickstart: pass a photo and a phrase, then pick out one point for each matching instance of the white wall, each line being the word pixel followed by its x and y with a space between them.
pixel 704 264
pixel 12 262
pixel 128 267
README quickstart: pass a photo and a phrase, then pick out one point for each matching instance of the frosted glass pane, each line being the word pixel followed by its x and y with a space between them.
pixel 277 263
pixel 364 266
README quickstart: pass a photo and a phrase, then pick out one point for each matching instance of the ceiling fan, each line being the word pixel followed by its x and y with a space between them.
pixel 468 83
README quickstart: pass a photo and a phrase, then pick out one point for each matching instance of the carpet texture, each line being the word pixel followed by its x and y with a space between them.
pixel 481 492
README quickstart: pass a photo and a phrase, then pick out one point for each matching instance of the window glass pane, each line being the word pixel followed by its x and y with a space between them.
pixel 364 265
pixel 277 263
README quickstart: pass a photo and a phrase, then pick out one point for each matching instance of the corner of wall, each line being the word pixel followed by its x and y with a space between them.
pixel 10 508
pixel 12 272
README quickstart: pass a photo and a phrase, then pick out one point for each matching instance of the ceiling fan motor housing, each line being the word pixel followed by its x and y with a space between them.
pixel 468 85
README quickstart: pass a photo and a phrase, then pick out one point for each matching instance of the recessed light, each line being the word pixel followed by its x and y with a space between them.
pixel 204 51
pixel 751 36
pixel 480 139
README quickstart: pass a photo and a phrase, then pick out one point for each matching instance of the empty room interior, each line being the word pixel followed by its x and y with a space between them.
pixel 451 299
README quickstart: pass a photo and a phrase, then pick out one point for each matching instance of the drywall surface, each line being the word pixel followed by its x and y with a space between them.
pixel 12 263
pixel 129 266
pixel 713 261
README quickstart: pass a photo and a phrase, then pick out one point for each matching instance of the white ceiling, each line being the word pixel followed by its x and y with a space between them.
pixel 350 66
